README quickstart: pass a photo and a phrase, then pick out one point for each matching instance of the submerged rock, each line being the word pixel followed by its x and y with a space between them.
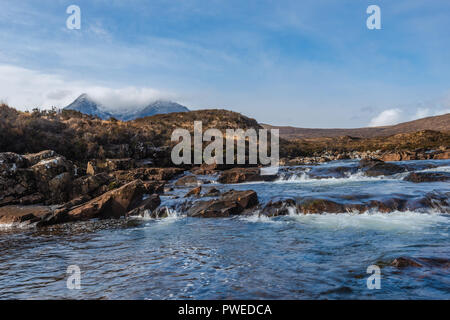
pixel 405 262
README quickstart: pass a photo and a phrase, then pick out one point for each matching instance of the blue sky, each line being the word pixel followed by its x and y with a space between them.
pixel 307 63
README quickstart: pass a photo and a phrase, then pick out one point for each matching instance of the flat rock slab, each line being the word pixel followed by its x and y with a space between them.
pixel 19 214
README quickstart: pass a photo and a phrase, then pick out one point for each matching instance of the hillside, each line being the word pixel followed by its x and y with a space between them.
pixel 81 137
pixel 436 123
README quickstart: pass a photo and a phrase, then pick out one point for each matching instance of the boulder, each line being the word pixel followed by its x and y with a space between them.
pixel 309 205
pixel 230 203
pixel 147 205
pixel 212 192
pixel 194 192
pixel 93 185
pixel 10 162
pixel 47 169
pixel 35 158
pixel 418 177
pixel 278 208
pixel 23 214
pixel 91 168
pixel 112 204
pixel 398 156
pixel 188 181
pixel 60 187
pixel 239 175
pixel 373 168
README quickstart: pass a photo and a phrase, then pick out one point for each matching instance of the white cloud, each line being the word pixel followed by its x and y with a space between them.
pixel 394 116
pixel 124 99
pixel 386 118
pixel 25 89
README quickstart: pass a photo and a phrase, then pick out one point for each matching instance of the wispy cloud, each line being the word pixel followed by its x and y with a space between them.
pixel 26 89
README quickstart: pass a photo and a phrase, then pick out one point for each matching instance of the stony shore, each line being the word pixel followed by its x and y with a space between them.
pixel 45 188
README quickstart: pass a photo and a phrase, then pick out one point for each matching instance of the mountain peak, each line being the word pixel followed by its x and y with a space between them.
pixel 85 104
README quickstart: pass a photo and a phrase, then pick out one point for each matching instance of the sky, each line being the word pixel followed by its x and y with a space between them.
pixel 310 63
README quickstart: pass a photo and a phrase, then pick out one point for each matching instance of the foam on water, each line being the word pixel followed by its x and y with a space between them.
pixel 394 221
pixel 356 177
pixel 437 169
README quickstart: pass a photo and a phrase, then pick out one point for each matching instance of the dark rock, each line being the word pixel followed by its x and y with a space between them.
pixel 92 185
pixel 278 208
pixel 418 177
pixel 194 192
pixel 10 162
pixel 35 158
pixel 149 205
pixel 239 175
pixel 404 262
pixel 373 168
pixel 309 205
pixel 21 214
pixel 112 204
pixel 230 203
pixel 188 181
pixel 213 192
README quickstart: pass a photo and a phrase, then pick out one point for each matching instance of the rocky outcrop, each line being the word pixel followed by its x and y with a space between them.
pixel 418 177
pixel 146 206
pixel 35 158
pixel 147 174
pixel 23 214
pixel 112 204
pixel 420 154
pixel 33 178
pixel 239 175
pixel 93 186
pixel 230 203
pixel 109 165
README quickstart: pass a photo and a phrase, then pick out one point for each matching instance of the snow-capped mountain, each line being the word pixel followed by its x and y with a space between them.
pixel 87 105
pixel 157 107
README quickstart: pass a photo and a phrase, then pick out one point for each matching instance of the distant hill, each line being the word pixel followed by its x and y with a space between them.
pixel 86 105
pixel 436 123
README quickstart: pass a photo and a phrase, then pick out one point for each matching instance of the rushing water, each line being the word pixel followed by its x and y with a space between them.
pixel 289 257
